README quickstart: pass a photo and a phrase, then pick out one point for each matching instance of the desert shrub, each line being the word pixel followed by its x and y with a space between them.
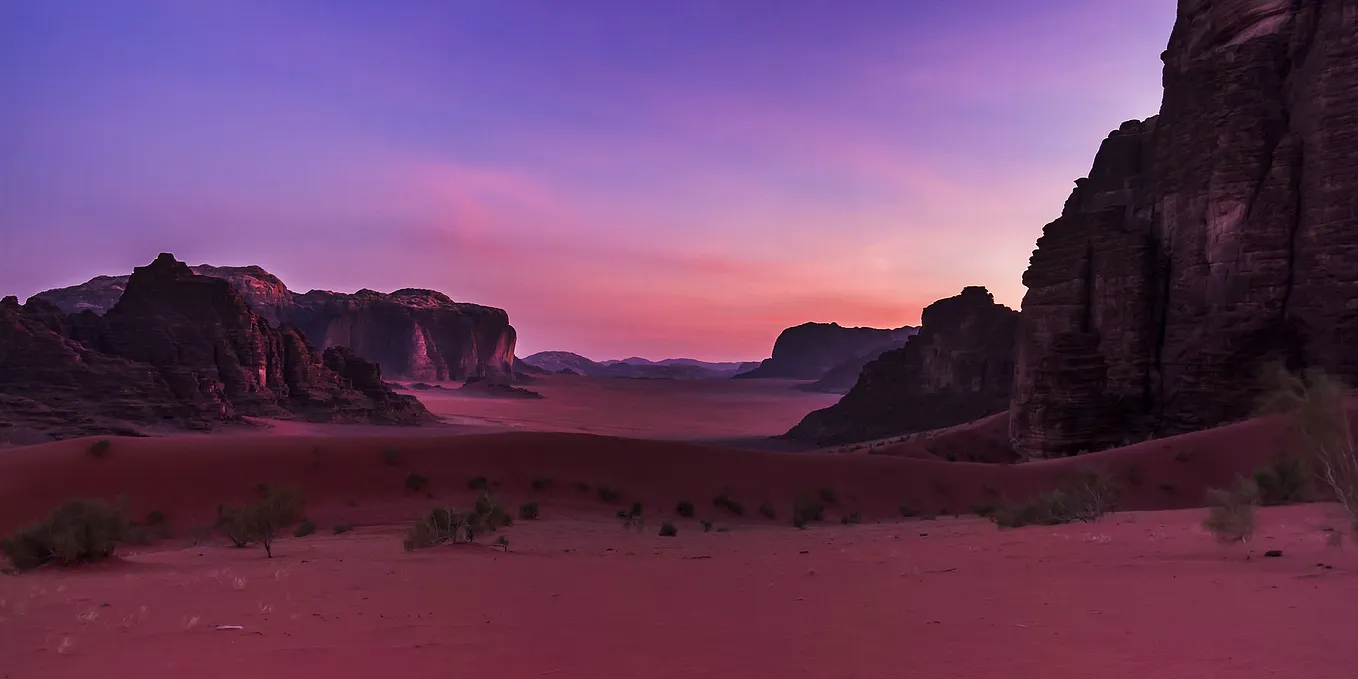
pixel 528 510
pixel 155 517
pixel 100 449
pixel 984 507
pixel 261 521
pixel 827 495
pixel 1181 456
pixel 1319 429
pixel 1134 477
pixel 1286 481
pixel 724 501
pixel 78 531
pixel 1230 513
pixel 541 482
pixel 851 519
pixel 342 528
pixel 805 510
pixel 231 522
pixel 635 510
pixel 391 457
pixel 609 494
pixel 199 535
pixel 477 483
pixel 136 534
pixel 305 528
pixel 1090 494
pixel 667 530
pixel 416 482
pixel 1086 497
pixel 908 512
pixel 707 525
pixel 952 457
pixel 502 541
pixel 684 509
pixel 768 512
pixel 445 524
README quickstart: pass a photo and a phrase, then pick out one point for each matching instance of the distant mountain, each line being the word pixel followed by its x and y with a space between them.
pixel 635 367
pixel 812 350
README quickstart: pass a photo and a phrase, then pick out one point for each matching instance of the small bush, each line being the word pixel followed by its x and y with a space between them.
pixel 908 512
pixel 305 528
pixel 416 482
pixel 724 501
pixel 827 495
pixel 342 528
pixel 100 449
pixel 851 519
pixel 502 541
pixel 276 509
pixel 806 509
pixel 667 530
pixel 1230 513
pixel 155 517
pixel 477 483
pixel 609 494
pixel 984 507
pixel 445 524
pixel 768 512
pixel 78 531
pixel 684 509
pixel 528 510
pixel 707 526
pixel 1134 477
pixel 1181 456
pixel 541 482
pixel 1286 481
pixel 391 457
pixel 136 534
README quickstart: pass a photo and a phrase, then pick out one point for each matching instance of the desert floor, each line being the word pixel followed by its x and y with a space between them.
pixel 1141 594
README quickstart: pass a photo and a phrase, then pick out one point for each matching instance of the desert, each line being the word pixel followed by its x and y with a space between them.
pixel 679 340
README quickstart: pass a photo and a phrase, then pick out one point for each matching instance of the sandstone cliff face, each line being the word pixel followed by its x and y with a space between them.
pixel 178 350
pixel 810 350
pixel 414 334
pixel 958 368
pixel 1207 241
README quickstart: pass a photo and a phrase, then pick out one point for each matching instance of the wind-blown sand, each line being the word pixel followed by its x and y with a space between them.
pixel 1136 595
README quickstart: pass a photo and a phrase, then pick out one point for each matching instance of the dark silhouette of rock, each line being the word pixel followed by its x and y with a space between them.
pixel 841 378
pixel 1206 242
pixel 810 350
pixel 411 333
pixel 491 388
pixel 178 350
pixel 958 368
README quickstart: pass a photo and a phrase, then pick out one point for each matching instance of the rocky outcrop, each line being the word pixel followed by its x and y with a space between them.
pixel 958 368
pixel 841 378
pixel 177 350
pixel 567 363
pixel 810 350
pixel 413 334
pixel 1207 241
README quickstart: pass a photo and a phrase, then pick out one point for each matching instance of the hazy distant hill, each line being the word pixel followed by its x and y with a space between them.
pixel 810 351
pixel 636 367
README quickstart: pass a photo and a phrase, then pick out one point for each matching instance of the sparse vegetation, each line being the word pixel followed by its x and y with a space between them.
pixel 984 508
pixel 78 531
pixel 541 482
pixel 1134 477
pixel 684 509
pixel 853 518
pixel 609 494
pixel 305 528
pixel 667 530
pixel 528 510
pixel 1086 497
pixel 502 541
pixel 445 524
pixel 707 525
pixel 416 482
pixel 724 501
pixel 477 483
pixel 768 512
pixel 342 528
pixel 391 457
pixel 1230 514
pixel 908 512
pixel 1181 456
pixel 806 509
pixel 827 495
pixel 100 449
pixel 1286 481
pixel 276 509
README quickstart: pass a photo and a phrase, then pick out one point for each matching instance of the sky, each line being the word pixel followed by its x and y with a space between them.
pixel 662 178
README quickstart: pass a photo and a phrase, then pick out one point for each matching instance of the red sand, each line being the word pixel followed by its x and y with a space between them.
pixel 657 409
pixel 1138 595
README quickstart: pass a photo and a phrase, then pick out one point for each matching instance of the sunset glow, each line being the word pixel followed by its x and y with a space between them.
pixel 624 178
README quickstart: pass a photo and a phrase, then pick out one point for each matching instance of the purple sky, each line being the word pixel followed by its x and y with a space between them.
pixel 655 178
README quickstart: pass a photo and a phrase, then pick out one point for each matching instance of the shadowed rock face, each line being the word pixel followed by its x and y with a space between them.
pixel 1207 241
pixel 414 334
pixel 958 368
pixel 178 350
pixel 810 350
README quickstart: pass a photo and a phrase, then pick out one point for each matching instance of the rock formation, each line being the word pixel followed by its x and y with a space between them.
pixel 567 363
pixel 177 350
pixel 809 350
pixel 958 368
pixel 413 334
pixel 1206 241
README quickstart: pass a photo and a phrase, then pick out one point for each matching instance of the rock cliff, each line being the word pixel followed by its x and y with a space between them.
pixel 1206 241
pixel 412 334
pixel 177 350
pixel 958 368
pixel 810 350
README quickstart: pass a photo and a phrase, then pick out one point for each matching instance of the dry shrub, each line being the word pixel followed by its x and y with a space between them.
pixel 1085 497
pixel 78 531
pixel 1319 429
pixel 667 530
pixel 1230 513
pixel 805 510
pixel 446 524
pixel 262 520
pixel 416 482
pixel 528 510
pixel 99 449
